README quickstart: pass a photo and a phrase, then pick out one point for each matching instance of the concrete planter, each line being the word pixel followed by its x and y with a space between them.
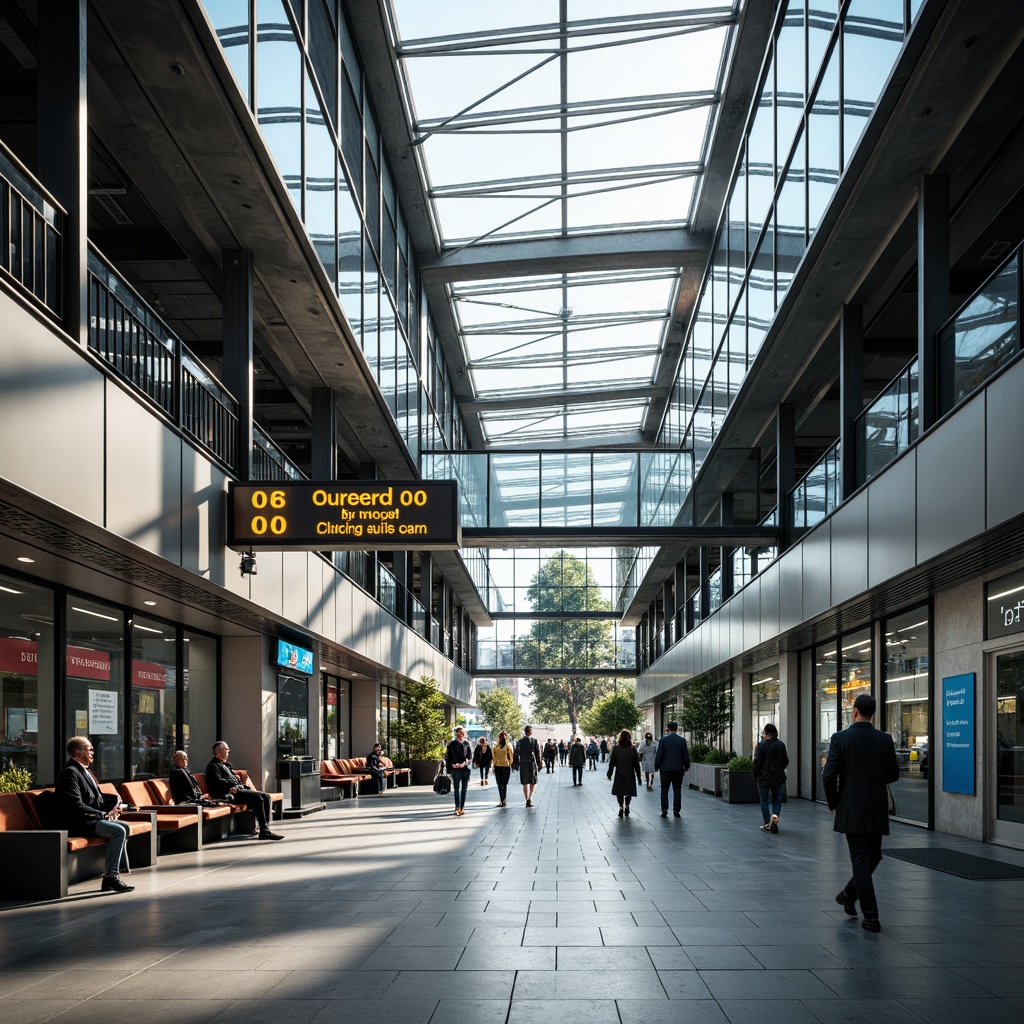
pixel 739 788
pixel 422 772
pixel 706 777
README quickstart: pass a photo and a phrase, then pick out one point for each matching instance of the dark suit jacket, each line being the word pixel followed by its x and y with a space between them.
pixel 673 755
pixel 861 760
pixel 184 787
pixel 220 778
pixel 77 804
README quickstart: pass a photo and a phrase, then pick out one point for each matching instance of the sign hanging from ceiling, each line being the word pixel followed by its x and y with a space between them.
pixel 339 515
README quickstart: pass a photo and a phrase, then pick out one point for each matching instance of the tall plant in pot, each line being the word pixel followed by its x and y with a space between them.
pixel 706 713
pixel 422 730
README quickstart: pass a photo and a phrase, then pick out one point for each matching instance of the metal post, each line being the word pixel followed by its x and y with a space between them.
pixel 851 395
pixel 238 358
pixel 932 289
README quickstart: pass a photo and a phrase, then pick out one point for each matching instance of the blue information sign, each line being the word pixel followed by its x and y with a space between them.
pixel 958 734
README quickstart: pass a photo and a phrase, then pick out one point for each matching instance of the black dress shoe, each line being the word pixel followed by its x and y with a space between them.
pixel 112 883
pixel 678 814
pixel 846 903
pixel 664 814
pixel 870 924
pixel 269 835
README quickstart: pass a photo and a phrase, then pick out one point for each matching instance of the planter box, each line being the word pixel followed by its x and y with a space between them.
pixel 706 777
pixel 739 788
pixel 422 772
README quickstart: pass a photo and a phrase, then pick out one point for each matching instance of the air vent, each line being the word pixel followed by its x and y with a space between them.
pixel 113 208
pixel 996 251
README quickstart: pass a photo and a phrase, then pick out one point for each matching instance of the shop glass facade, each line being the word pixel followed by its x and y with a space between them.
pixel 906 685
pixel 154 697
pixel 764 703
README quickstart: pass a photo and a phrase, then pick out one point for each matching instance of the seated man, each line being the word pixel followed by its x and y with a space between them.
pixel 224 784
pixel 82 809
pixel 375 768
pixel 184 788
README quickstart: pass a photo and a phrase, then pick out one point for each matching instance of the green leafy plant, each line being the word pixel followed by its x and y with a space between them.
pixel 740 764
pixel 699 753
pixel 718 757
pixel 501 713
pixel 706 711
pixel 15 780
pixel 609 715
pixel 422 730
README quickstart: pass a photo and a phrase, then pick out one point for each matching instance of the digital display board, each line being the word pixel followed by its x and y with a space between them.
pixel 298 658
pixel 334 516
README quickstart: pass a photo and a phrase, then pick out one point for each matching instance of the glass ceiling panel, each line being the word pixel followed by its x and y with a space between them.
pixel 530 128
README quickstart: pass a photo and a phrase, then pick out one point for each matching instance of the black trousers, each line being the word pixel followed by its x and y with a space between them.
pixel 258 803
pixel 865 856
pixel 501 777
pixel 577 775
pixel 675 780
pixel 378 775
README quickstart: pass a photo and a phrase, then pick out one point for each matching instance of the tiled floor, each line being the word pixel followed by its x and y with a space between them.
pixel 394 911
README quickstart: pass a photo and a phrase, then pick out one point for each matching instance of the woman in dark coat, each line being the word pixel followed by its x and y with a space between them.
pixel 625 764
pixel 770 763
pixel 482 758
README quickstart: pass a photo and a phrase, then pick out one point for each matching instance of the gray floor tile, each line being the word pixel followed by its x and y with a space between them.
pixel 659 1011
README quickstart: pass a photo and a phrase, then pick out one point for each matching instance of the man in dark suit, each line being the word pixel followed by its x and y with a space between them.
pixel 184 787
pixel 80 807
pixel 673 761
pixel 224 784
pixel 861 760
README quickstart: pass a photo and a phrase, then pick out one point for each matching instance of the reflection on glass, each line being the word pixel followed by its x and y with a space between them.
pixel 761 156
pixel 230 20
pixel 279 93
pixel 95 683
pixel 199 685
pixel 826 705
pixel 26 655
pixel 292 715
pixel 1010 737
pixel 764 702
pixel 790 85
pixel 855 671
pixel 154 697
pixel 321 170
pixel 823 143
pixel 906 688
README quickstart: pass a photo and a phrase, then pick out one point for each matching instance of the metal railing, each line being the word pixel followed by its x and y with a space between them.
pixel 817 494
pixel 141 349
pixel 269 462
pixel 30 236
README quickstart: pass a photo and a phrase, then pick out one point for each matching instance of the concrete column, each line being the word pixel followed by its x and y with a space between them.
pixel 932 288
pixel 238 289
pixel 789 721
pixel 365 714
pixel 248 708
pixel 62 128
pixel 325 431
pixel 785 470
pixel 741 715
pixel 851 396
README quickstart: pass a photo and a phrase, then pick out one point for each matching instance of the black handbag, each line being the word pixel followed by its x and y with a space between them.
pixel 442 781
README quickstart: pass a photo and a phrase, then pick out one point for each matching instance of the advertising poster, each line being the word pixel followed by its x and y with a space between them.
pixel 958 734
pixel 102 713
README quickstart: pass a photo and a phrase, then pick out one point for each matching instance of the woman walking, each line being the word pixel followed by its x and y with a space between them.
pixel 770 763
pixel 648 754
pixel 503 755
pixel 482 758
pixel 528 762
pixel 458 758
pixel 624 763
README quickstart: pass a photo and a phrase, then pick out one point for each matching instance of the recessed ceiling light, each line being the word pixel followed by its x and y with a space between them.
pixel 25 558
pixel 11 590
pixel 149 603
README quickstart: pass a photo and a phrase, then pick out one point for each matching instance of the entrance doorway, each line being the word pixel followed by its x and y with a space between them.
pixel 1006 764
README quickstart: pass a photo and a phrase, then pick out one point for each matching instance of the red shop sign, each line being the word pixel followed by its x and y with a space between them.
pixel 86 664
pixel 152 677
pixel 19 656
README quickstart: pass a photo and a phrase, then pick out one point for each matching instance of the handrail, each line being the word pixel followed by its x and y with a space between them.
pixel 31 245
pixel 1017 250
pixel 270 461
pixel 828 467
pixel 905 416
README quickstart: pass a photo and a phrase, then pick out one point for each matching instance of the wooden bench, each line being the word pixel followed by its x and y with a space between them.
pixel 396 773
pixel 39 863
pixel 178 827
pixel 331 775
pixel 353 770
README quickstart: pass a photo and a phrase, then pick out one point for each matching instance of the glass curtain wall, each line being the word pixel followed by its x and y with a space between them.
pixel 335 717
pixel 825 70
pixel 907 683
pixel 154 697
pixel 390 713
pixel 299 72
pixel 26 677
pixel 764 703
pixel 292 715
pixel 199 720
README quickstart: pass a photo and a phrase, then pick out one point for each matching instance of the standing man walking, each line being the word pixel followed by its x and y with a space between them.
pixel 861 760
pixel 673 761
pixel 458 759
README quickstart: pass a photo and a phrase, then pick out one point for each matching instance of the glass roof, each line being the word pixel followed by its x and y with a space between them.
pixel 557 119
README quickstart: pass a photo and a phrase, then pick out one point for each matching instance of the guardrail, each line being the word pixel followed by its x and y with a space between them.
pixel 31 244
pixel 269 462
pixel 817 494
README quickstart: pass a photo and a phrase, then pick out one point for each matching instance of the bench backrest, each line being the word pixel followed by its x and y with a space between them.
pixel 13 816
pixel 387 762
pixel 160 791
pixel 201 783
pixel 39 807
pixel 329 768
pixel 136 793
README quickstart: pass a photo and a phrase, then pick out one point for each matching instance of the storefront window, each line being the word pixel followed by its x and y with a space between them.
pixel 26 656
pixel 907 684
pixel 95 683
pixel 1010 742
pixel 826 714
pixel 390 712
pixel 335 717
pixel 855 671
pixel 154 697
pixel 292 715
pixel 764 702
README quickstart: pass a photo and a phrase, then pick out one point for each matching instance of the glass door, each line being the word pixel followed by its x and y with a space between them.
pixel 1008 750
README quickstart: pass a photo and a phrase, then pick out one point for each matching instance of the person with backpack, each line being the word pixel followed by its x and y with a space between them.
pixel 770 763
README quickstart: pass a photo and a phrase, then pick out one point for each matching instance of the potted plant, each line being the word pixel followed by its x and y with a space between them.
pixel 706 713
pixel 422 730
pixel 738 785
pixel 15 780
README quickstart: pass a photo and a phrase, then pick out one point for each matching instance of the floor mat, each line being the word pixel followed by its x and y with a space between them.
pixel 954 862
